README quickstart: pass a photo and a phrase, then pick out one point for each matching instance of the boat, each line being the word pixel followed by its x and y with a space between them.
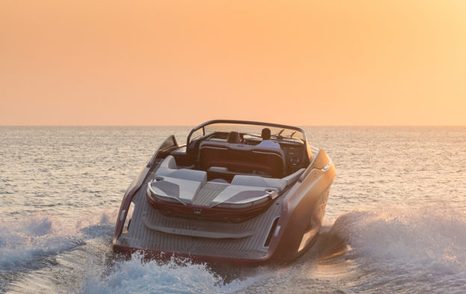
pixel 242 192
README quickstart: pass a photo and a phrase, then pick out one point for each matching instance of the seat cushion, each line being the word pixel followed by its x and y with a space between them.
pixel 168 168
pixel 238 194
pixel 257 181
pixel 181 189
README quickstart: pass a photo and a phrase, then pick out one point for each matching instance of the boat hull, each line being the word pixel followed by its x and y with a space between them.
pixel 279 235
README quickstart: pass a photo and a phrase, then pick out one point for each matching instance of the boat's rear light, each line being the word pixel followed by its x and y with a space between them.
pixel 271 232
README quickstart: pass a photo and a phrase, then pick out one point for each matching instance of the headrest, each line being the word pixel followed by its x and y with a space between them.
pixel 234 137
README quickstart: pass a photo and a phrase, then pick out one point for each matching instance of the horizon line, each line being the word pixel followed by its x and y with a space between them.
pixel 193 125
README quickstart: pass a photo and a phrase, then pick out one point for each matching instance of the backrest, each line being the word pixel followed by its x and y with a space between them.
pixel 241 158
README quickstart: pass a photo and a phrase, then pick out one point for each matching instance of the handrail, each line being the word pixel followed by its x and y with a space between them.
pixel 247 122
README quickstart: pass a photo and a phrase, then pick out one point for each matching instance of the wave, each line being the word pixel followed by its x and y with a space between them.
pixel 395 249
pixel 390 250
pixel 424 246
pixel 23 243
pixel 176 276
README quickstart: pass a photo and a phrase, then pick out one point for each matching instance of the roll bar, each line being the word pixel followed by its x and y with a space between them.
pixel 246 122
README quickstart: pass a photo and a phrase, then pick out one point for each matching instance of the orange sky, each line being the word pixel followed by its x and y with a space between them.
pixel 385 62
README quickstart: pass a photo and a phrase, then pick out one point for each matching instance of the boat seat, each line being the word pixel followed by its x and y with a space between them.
pixel 241 158
pixel 175 188
pixel 168 168
pixel 258 181
pixel 239 194
pixel 185 191
pixel 184 184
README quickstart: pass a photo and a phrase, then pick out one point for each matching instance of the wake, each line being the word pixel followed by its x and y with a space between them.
pixel 24 243
pixel 424 247
pixel 391 249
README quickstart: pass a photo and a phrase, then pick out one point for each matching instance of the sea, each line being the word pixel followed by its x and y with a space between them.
pixel 395 221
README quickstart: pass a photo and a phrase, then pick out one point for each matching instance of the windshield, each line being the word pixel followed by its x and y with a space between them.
pixel 253 129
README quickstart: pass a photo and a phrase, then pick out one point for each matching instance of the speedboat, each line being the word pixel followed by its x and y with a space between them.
pixel 238 192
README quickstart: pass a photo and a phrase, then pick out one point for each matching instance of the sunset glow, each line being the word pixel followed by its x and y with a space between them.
pixel 182 62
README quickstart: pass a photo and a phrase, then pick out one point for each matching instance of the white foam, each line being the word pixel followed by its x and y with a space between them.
pixel 24 242
pixel 415 243
pixel 139 276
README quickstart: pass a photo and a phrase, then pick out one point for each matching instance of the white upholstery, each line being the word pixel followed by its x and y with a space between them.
pixel 168 168
pixel 257 181
pixel 233 190
pixel 169 162
pixel 184 184
pixel 186 189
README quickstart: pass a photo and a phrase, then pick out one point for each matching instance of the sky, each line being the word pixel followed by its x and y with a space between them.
pixel 335 62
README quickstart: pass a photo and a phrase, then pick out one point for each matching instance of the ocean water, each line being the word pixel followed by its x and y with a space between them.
pixel 395 221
